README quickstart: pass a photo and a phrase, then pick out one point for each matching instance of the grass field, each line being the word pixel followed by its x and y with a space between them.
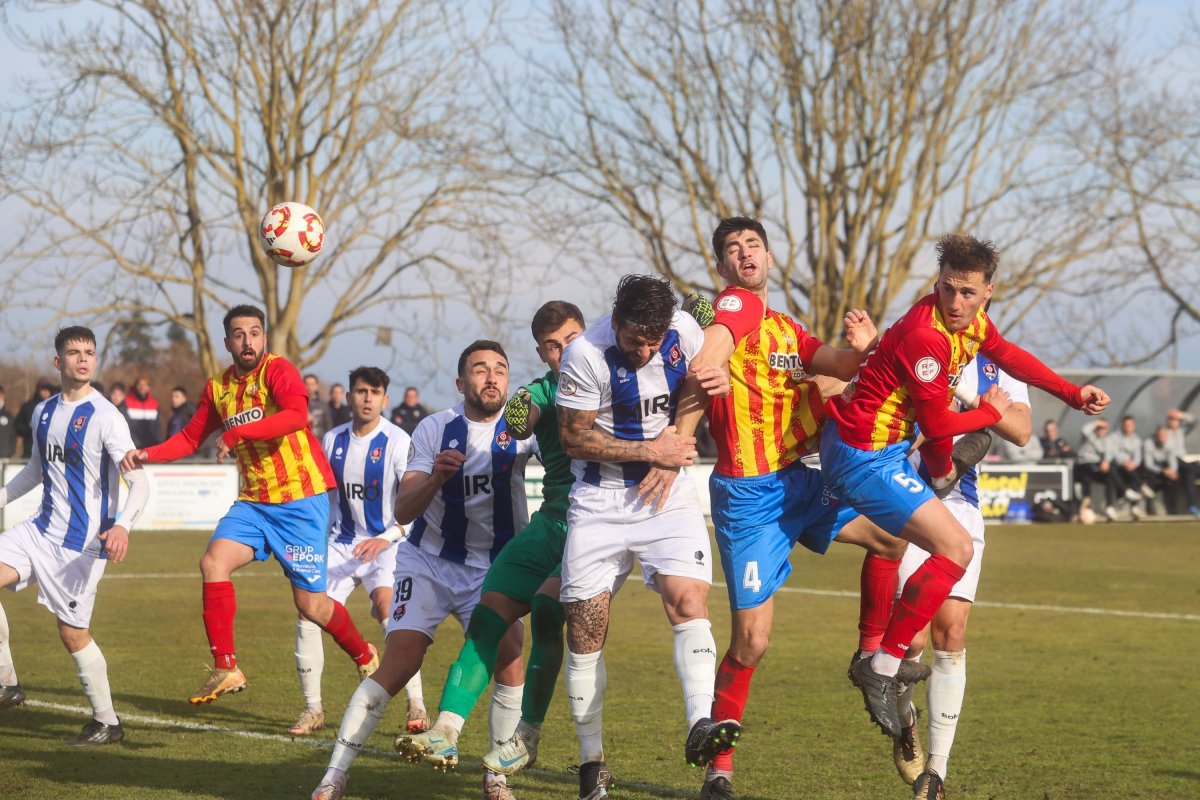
pixel 1079 650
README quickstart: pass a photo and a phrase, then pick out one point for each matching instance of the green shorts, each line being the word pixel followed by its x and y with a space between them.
pixel 532 556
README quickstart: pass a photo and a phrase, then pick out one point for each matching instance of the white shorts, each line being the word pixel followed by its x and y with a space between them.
pixel 972 519
pixel 428 589
pixel 345 573
pixel 606 528
pixel 66 579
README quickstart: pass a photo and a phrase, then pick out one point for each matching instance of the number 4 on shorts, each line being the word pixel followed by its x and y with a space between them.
pixel 750 577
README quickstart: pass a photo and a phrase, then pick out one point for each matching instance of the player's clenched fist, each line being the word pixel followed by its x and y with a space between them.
pixel 446 463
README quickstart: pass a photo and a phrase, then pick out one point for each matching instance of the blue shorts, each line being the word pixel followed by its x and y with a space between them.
pixel 296 533
pixel 881 484
pixel 759 520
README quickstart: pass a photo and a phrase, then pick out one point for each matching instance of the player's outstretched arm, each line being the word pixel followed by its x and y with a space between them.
pixel 116 538
pixel 843 363
pixel 21 483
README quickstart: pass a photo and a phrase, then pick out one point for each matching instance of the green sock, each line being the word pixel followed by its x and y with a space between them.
pixel 472 672
pixel 545 658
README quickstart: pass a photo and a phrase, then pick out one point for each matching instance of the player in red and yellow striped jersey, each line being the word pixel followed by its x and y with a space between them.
pixel 764 500
pixel 282 508
pixel 910 378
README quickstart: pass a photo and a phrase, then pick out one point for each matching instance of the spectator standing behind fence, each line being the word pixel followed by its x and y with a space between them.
pixel 1053 445
pixel 181 411
pixel 141 408
pixel 409 412
pixel 8 430
pixel 318 412
pixel 339 409
pixel 1180 424
pixel 24 420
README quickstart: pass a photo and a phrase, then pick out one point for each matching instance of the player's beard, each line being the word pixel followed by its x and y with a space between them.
pixel 484 406
pixel 247 362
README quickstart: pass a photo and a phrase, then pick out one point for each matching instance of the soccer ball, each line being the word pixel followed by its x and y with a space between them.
pixel 291 234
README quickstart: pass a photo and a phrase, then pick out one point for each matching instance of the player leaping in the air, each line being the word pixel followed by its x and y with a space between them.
pixel 368 455
pixel 909 379
pixel 79 438
pixel 282 508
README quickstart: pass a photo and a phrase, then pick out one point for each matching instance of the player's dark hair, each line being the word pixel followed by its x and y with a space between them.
pixel 967 254
pixel 475 347
pixel 736 225
pixel 72 333
pixel 551 316
pixel 646 303
pixel 371 376
pixel 244 310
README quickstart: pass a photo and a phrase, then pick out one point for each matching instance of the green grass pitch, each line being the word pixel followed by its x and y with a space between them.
pixel 1079 653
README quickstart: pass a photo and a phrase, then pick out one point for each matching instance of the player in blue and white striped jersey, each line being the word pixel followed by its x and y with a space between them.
pixel 464 493
pixel 368 456
pixel 619 386
pixel 948 628
pixel 80 439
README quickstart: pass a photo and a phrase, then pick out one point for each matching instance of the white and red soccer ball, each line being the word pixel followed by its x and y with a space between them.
pixel 291 234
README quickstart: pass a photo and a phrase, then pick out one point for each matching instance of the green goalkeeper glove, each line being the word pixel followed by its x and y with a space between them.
pixel 700 307
pixel 516 413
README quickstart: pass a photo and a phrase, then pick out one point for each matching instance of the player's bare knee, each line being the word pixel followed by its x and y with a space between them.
pixel 686 601
pixel 74 639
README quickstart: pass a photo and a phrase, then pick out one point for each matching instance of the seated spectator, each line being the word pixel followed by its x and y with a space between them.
pixel 1021 454
pixel 1179 425
pixel 1127 461
pixel 1160 467
pixel 1094 464
pixel 1053 445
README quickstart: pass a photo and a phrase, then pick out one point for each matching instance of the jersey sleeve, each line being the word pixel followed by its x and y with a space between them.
pixel 1024 366
pixel 1017 390
pixel 117 440
pixel 579 385
pixel 738 310
pixel 400 454
pixel 541 396
pixel 425 441
pixel 287 389
pixel 204 421
pixel 691 335
pixel 327 443
pixel 922 356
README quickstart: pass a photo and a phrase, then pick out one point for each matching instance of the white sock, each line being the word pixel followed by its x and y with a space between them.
pixel 696 665
pixel 8 675
pixel 93 676
pixel 530 734
pixel 883 663
pixel 947 685
pixel 586 681
pixel 449 722
pixel 505 712
pixel 415 692
pixel 310 662
pixel 363 713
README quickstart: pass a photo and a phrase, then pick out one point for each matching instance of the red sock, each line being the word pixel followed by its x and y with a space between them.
pixel 877 583
pixel 344 632
pixel 923 595
pixel 729 700
pixel 219 607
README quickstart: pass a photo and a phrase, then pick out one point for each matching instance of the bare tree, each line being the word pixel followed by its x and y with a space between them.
pixel 857 130
pixel 166 129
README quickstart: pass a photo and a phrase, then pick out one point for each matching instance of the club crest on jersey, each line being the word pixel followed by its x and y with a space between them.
pixel 78 423
pixel 729 302
pixel 375 455
pixel 252 389
pixel 990 372
pixel 503 440
pixel 567 386
pixel 927 369
pixel 398 614
pixel 674 356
